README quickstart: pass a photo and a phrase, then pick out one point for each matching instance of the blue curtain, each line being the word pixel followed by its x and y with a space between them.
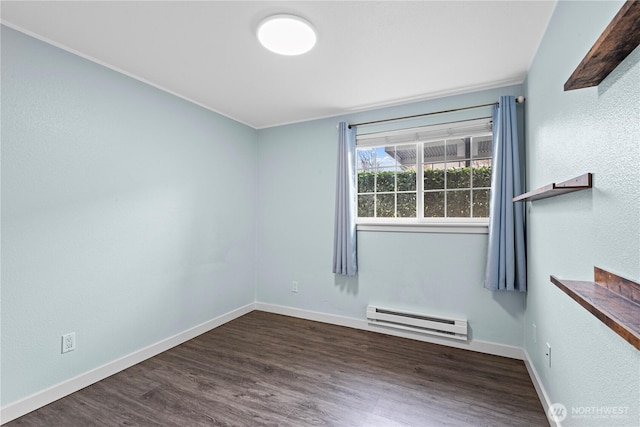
pixel 506 262
pixel 344 238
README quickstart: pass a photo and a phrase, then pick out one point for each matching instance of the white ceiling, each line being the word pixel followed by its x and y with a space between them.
pixel 369 54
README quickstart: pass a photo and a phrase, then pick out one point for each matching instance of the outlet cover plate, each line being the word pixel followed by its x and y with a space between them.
pixel 68 342
pixel 548 354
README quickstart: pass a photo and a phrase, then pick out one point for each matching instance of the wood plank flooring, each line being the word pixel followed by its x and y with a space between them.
pixel 264 369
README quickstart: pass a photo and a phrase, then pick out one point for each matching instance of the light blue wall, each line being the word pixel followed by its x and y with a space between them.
pixel 569 133
pixel 128 215
pixel 424 272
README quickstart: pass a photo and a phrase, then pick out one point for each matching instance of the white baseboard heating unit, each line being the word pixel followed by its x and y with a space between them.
pixel 426 324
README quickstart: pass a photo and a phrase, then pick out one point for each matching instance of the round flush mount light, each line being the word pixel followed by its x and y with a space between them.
pixel 286 35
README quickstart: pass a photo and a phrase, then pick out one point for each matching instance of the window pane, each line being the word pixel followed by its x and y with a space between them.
pixel 407 205
pixel 366 182
pixel 405 156
pixel 365 205
pixel 459 204
pixel 482 147
pixel 481 173
pixel 406 175
pixel 386 205
pixel 481 203
pixel 458 150
pixel 434 204
pixel 433 152
pixel 367 159
pixel 386 158
pixel 458 177
pixel 406 180
pixel 385 181
pixel 434 176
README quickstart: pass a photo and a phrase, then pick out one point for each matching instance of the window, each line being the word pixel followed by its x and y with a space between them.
pixel 436 174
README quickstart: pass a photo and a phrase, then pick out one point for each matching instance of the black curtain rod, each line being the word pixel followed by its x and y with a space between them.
pixel 519 100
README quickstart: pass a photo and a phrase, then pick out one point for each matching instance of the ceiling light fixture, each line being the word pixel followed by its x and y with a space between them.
pixel 286 35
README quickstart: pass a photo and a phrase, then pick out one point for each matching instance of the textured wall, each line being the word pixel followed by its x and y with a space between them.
pixel 423 272
pixel 569 133
pixel 128 215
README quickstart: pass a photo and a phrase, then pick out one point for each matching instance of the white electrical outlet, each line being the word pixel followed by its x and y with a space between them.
pixel 68 342
pixel 548 354
pixel 294 286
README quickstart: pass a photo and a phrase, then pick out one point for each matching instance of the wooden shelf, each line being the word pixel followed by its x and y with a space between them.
pixel 611 298
pixel 618 40
pixel 578 183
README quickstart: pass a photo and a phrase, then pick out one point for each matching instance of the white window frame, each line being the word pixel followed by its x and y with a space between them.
pixel 467 128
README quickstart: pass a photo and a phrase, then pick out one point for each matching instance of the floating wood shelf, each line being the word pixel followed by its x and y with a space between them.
pixel 618 40
pixel 578 183
pixel 612 299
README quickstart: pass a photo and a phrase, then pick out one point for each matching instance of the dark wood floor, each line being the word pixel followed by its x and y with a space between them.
pixel 271 370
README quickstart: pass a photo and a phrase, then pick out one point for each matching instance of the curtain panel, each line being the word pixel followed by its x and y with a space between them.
pixel 506 260
pixel 344 237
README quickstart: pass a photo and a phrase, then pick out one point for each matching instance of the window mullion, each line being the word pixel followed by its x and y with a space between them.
pixel 471 174
pixel 446 166
pixel 395 183
pixel 420 179
pixel 375 184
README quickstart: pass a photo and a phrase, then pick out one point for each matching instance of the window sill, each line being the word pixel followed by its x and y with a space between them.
pixel 427 227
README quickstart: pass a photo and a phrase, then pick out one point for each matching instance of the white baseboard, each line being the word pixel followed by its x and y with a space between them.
pixel 30 403
pixel 537 384
pixel 486 347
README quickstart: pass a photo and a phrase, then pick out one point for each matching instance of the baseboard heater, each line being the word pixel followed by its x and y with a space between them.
pixel 426 324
